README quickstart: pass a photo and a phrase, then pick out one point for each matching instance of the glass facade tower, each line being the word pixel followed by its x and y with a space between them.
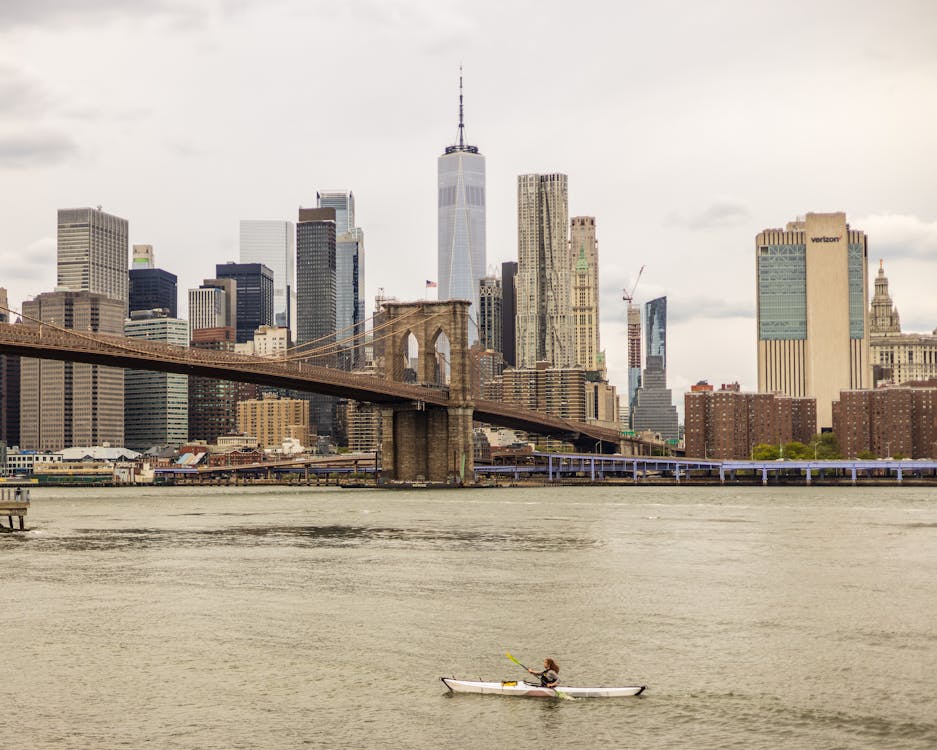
pixel 461 222
pixel 271 242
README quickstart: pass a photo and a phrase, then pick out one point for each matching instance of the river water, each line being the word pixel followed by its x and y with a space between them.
pixel 284 617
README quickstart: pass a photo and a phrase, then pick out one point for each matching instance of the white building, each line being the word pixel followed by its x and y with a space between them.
pixel 273 243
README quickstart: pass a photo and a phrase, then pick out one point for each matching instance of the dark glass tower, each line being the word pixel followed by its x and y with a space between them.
pixel 254 296
pixel 508 312
pixel 153 289
pixel 653 409
pixel 315 301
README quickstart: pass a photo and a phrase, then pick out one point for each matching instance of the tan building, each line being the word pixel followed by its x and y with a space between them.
pixel 543 284
pixel 66 404
pixel 728 423
pixel 272 419
pixel 268 341
pixel 363 426
pixel 813 323
pixel 897 357
pixel 584 254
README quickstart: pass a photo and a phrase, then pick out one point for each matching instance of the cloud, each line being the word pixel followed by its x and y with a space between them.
pixel 31 263
pixel 721 213
pixel 38 148
pixel 57 12
pixel 899 236
pixel 20 95
pixel 694 309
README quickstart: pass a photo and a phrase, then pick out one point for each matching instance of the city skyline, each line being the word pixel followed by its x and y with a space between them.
pixel 681 164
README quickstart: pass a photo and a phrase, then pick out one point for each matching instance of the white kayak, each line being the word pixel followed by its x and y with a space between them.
pixel 534 690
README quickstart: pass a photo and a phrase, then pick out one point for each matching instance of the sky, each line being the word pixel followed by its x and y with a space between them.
pixel 685 128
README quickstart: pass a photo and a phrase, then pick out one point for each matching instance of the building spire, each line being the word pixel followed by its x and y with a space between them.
pixel 461 122
pixel 460 144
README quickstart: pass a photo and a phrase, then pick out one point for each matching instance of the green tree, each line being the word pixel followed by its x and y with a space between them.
pixel 826 446
pixel 797 451
pixel 766 452
pixel 865 456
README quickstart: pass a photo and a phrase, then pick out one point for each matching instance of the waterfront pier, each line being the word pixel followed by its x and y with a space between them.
pixel 14 503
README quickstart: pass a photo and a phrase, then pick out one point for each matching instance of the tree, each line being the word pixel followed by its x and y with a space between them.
pixel 865 455
pixel 825 446
pixel 766 452
pixel 797 451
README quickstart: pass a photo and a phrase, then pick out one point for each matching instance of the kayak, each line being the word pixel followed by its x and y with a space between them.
pixel 533 690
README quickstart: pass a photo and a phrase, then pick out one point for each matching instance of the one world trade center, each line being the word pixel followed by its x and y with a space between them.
pixel 461 258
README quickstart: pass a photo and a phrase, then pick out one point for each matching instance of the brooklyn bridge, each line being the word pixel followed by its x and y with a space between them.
pixel 426 426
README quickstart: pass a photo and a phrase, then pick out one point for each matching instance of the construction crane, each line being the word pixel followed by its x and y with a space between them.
pixel 629 296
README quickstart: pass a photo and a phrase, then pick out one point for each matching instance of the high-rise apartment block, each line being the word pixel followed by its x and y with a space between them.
pixel 272 243
pixel 156 404
pixel 92 253
pixel 544 331
pixel 349 278
pixel 461 222
pixel 490 311
pixel 272 419
pixel 899 422
pixel 69 404
pixel 728 423
pixel 813 323
pixel 634 356
pixel 254 296
pixel 584 253
pixel 653 408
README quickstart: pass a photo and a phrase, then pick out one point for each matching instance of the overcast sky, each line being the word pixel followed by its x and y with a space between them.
pixel 685 129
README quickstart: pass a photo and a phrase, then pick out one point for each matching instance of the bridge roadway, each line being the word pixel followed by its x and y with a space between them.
pixel 49 342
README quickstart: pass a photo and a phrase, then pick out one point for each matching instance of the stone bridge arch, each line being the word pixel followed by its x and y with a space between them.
pixel 419 440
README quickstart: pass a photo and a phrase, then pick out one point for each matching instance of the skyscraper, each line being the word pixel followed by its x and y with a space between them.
pixel 151 288
pixel 349 278
pixel 213 305
pixel 92 253
pixel 461 222
pixel 156 404
pixel 584 252
pixel 272 242
pixel 315 301
pixel 813 324
pixel 490 311
pixel 543 284
pixel 634 355
pixel 654 410
pixel 68 404
pixel 254 296
pixel 508 312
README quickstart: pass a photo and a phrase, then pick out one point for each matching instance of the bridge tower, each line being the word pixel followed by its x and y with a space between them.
pixel 423 440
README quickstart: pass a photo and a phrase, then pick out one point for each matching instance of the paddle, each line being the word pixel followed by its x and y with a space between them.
pixel 559 693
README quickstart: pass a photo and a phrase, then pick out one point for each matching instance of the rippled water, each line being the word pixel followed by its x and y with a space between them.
pixel 279 618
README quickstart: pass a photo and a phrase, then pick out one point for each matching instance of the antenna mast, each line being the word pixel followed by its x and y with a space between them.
pixel 461 124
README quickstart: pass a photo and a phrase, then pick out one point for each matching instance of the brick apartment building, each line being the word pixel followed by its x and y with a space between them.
pixel 728 423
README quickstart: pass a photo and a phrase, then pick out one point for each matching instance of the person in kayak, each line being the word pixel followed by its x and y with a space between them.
pixel 550 676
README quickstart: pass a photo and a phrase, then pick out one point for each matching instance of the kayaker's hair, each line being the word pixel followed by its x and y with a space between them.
pixel 552 664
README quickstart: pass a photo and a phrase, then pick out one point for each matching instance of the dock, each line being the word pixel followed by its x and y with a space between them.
pixel 14 503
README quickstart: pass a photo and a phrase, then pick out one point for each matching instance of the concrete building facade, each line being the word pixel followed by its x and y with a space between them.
pixel 92 253
pixel 584 253
pixel 813 322
pixel 65 404
pixel 272 419
pixel 156 404
pixel 543 285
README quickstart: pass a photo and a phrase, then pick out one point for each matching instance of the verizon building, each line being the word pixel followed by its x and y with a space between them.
pixel 813 323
